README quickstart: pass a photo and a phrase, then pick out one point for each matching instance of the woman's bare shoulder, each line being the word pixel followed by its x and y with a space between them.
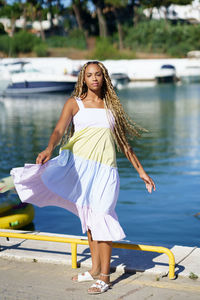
pixel 71 101
pixel 72 105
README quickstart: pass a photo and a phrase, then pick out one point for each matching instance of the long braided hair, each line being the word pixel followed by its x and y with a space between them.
pixel 124 128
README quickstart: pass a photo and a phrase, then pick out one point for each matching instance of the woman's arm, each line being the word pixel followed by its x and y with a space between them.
pixel 69 110
pixel 131 156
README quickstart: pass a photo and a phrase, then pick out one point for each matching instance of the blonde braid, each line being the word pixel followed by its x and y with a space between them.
pixel 124 128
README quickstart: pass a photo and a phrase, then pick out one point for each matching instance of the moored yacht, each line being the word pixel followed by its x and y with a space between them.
pixel 28 80
pixel 166 74
pixel 119 79
pixel 191 73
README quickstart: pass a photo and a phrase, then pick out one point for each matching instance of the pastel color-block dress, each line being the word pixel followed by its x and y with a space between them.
pixel 83 178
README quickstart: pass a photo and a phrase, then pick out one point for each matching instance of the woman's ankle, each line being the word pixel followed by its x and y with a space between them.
pixel 104 277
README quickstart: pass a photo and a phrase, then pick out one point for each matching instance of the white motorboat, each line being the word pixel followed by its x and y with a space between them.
pixel 27 80
pixel 190 74
pixel 166 74
pixel 5 74
pixel 119 79
pixel 4 80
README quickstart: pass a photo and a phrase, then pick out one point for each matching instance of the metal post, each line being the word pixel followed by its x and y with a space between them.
pixel 74 255
pixel 74 242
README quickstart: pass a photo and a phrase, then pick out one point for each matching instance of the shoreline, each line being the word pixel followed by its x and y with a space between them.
pixel 136 69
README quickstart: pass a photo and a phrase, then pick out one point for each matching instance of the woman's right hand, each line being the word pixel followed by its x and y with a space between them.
pixel 44 156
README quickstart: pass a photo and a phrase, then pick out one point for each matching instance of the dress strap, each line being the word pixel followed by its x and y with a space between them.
pixel 80 103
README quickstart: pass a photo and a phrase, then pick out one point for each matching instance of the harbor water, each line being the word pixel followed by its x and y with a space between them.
pixel 169 152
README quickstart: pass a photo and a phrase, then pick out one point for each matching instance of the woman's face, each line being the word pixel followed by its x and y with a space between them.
pixel 93 77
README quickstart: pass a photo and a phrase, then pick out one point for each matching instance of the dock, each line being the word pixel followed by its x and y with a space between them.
pixel 32 269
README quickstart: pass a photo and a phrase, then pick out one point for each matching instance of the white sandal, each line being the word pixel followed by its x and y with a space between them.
pixel 82 277
pixel 101 285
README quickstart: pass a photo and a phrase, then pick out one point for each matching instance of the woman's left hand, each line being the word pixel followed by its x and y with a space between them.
pixel 148 182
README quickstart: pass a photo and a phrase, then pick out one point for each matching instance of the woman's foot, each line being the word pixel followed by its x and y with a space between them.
pixel 98 287
pixel 101 285
pixel 85 276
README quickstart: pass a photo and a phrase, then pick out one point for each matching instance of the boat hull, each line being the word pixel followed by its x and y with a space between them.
pixel 31 87
pixel 166 79
pixel 119 79
pixel 166 74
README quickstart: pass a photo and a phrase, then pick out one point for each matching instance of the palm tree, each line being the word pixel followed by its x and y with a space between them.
pixel 36 13
pixel 118 10
pixel 13 12
pixel 76 5
pixel 103 30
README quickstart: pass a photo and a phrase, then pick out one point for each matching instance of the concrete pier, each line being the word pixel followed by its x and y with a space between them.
pixel 42 270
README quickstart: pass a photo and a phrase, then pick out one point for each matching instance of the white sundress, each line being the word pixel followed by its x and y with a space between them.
pixel 83 178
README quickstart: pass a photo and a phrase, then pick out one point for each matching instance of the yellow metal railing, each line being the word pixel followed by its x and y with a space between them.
pixel 74 242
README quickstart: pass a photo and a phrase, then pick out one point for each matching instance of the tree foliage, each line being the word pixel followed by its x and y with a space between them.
pixel 121 21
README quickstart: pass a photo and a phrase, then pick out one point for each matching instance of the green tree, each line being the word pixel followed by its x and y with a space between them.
pixel 76 6
pixel 118 10
pixel 100 5
pixel 36 12
pixel 79 9
pixel 13 12
pixel 2 3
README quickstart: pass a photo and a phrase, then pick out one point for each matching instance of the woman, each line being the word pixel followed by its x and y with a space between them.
pixel 84 177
